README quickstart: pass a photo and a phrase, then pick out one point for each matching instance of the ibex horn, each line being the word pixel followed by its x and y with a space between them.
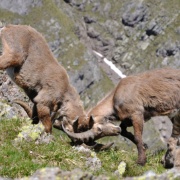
pixel 25 107
pixel 79 137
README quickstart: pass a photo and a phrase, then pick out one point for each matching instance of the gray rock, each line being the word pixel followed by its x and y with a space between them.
pixel 88 75
pixel 168 49
pixel 1 178
pixel 19 6
pixel 89 20
pixel 92 33
pixel 134 14
pixel 163 125
pixel 94 164
pixel 154 28
pixel 57 173
pixel 7 111
pixel 9 92
pixel 171 174
pixel 152 137
pixel 107 8
pixel 178 30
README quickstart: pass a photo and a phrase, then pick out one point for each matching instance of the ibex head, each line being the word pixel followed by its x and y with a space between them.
pixel 96 130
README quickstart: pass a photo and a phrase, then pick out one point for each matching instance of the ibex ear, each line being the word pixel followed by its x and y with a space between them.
pixel 75 124
pixel 91 121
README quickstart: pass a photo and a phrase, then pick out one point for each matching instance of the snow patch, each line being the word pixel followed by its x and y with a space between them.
pixel 111 65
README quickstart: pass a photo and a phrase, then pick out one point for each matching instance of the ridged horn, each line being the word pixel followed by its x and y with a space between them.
pixel 80 137
pixel 25 106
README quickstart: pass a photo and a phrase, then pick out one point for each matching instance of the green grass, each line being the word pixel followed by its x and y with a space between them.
pixel 112 158
pixel 24 159
pixel 17 161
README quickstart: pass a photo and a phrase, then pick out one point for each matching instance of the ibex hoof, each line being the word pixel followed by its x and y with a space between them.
pixel 141 162
pixel 145 146
pixel 35 121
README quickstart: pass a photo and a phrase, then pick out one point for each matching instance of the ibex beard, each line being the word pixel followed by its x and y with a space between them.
pixel 31 65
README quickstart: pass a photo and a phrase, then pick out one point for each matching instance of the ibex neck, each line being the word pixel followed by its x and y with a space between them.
pixel 104 108
pixel 72 104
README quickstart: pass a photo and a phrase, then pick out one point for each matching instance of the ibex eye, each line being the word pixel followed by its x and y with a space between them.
pixel 99 129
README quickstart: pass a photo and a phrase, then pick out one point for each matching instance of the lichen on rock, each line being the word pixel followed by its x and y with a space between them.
pixel 33 133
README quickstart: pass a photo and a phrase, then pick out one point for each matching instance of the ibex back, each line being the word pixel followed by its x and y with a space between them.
pixel 31 65
pixel 135 99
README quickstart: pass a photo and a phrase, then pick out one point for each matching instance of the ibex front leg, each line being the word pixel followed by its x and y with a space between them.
pixel 44 117
pixel 43 110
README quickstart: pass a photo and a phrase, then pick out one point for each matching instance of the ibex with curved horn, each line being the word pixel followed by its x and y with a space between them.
pixel 32 66
pixel 135 99
pixel 56 117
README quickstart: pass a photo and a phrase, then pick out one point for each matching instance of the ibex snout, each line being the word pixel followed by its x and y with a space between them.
pixel 107 129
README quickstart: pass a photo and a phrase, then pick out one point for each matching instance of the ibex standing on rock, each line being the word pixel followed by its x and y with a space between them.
pixel 135 99
pixel 31 65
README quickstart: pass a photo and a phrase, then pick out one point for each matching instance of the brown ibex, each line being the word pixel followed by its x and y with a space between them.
pixel 32 66
pixel 135 99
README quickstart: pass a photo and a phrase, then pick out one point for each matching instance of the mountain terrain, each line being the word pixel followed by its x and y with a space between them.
pixel 134 35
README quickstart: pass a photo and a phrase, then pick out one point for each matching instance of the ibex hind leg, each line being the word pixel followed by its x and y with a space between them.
pixel 137 120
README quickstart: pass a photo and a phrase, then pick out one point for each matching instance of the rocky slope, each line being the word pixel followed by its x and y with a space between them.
pixel 134 35
pixel 77 174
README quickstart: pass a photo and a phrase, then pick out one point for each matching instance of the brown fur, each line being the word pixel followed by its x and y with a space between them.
pixel 31 65
pixel 136 99
pixel 172 156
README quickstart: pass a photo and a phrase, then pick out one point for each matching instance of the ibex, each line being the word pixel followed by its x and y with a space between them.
pixel 135 99
pixel 32 66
